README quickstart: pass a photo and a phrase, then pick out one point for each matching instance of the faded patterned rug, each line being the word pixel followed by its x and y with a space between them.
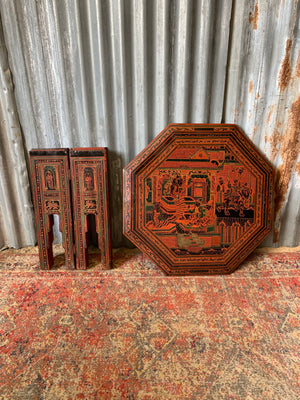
pixel 133 333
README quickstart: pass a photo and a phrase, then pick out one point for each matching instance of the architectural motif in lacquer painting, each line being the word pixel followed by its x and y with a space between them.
pixel 198 198
pixel 203 206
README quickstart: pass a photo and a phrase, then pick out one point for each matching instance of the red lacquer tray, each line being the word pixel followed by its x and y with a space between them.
pixel 198 199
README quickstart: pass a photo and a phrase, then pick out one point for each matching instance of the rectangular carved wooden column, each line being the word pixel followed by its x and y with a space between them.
pixel 89 171
pixel 50 175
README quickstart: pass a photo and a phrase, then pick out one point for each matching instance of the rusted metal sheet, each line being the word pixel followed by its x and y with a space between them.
pixel 262 96
pixel 114 73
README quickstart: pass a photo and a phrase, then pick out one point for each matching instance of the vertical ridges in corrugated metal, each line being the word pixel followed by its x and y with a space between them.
pixel 118 68
pixel 22 28
pixel 220 34
pixel 55 92
pixel 202 61
pixel 104 94
pixel 95 88
pixel 84 71
pixel 139 73
pixel 67 51
pixel 116 72
pixel 181 61
pixel 78 52
pixel 16 216
pixel 160 62
pixel 262 87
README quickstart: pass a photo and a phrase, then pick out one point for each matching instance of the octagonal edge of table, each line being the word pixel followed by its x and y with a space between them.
pixel 198 199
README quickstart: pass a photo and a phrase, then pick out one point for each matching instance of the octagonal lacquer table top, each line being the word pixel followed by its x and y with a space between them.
pixel 198 199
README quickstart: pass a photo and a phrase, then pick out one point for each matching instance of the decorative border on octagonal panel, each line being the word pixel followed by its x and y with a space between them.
pixel 152 157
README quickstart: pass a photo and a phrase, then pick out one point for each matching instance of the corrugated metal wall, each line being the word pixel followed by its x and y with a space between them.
pixel 115 72
pixel 263 97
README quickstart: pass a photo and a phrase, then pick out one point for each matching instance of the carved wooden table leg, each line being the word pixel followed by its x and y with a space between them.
pixel 89 173
pixel 51 195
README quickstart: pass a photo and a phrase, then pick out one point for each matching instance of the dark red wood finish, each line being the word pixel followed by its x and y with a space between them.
pixel 198 199
pixel 89 171
pixel 51 195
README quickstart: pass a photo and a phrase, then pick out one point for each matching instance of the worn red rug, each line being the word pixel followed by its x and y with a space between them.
pixel 133 333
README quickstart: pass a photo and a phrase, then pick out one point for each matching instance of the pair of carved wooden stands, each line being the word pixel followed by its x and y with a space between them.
pixel 74 185
pixel 196 200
